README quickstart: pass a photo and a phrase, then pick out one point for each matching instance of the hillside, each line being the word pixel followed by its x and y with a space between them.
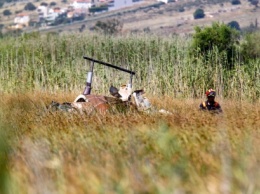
pixel 167 18
pixel 151 16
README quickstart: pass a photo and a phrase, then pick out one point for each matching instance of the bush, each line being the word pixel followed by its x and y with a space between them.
pixel 218 36
pixel 44 4
pixel 235 2
pixel 110 27
pixel 7 12
pixel 250 46
pixel 198 14
pixel 234 25
pixel 254 2
pixel 181 9
pixel 29 7
pixel 53 3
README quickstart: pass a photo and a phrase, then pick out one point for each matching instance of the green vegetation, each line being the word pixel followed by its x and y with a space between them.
pixel 29 7
pixel 235 25
pixel 109 27
pixel 254 2
pixel 7 12
pixel 163 65
pixel 250 46
pixel 198 14
pixel 218 37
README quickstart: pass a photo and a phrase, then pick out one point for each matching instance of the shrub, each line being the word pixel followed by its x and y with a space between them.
pixel 254 2
pixel 218 36
pixel 235 2
pixel 234 25
pixel 198 14
pixel 7 12
pixel 181 9
pixel 44 4
pixel 250 46
pixel 112 26
pixel 253 27
pixel 29 7
pixel 53 3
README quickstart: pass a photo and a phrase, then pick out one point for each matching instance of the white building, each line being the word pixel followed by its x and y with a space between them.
pixel 22 19
pixel 118 4
pixel 167 1
pixel 79 4
pixel 42 11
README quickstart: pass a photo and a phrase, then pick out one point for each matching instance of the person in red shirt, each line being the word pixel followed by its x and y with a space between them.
pixel 210 104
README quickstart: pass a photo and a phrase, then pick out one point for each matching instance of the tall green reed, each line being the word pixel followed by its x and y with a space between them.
pixel 163 65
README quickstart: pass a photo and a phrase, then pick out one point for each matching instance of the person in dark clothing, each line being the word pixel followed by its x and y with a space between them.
pixel 210 104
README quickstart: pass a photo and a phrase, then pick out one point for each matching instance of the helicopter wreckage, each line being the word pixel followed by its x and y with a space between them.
pixel 122 99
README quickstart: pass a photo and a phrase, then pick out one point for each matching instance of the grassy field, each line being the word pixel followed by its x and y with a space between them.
pixel 188 151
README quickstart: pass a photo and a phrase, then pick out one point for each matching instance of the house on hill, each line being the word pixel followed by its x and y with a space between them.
pixel 42 11
pixel 22 19
pixel 76 14
pixel 53 14
pixel 118 4
pixel 79 4
pixel 167 1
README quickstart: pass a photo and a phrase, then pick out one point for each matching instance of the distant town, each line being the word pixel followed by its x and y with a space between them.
pixel 51 15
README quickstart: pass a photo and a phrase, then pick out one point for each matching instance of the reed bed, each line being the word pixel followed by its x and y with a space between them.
pixel 188 151
pixel 163 65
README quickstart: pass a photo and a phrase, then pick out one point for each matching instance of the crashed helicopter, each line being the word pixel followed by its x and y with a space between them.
pixel 122 99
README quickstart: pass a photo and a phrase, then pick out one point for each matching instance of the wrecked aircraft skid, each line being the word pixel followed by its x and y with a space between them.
pixel 123 98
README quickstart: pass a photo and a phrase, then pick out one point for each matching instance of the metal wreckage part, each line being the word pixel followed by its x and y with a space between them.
pixel 121 101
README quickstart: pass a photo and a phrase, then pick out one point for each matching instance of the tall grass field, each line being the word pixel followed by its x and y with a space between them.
pixel 188 151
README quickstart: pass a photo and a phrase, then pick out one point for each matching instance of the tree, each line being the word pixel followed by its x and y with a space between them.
pixel 7 12
pixel 53 3
pixel 109 27
pixel 29 7
pixel 218 36
pixel 181 9
pixel 255 2
pixel 44 4
pixel 234 25
pixel 235 2
pixel 199 13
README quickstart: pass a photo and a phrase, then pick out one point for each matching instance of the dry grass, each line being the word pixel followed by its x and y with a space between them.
pixel 188 152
